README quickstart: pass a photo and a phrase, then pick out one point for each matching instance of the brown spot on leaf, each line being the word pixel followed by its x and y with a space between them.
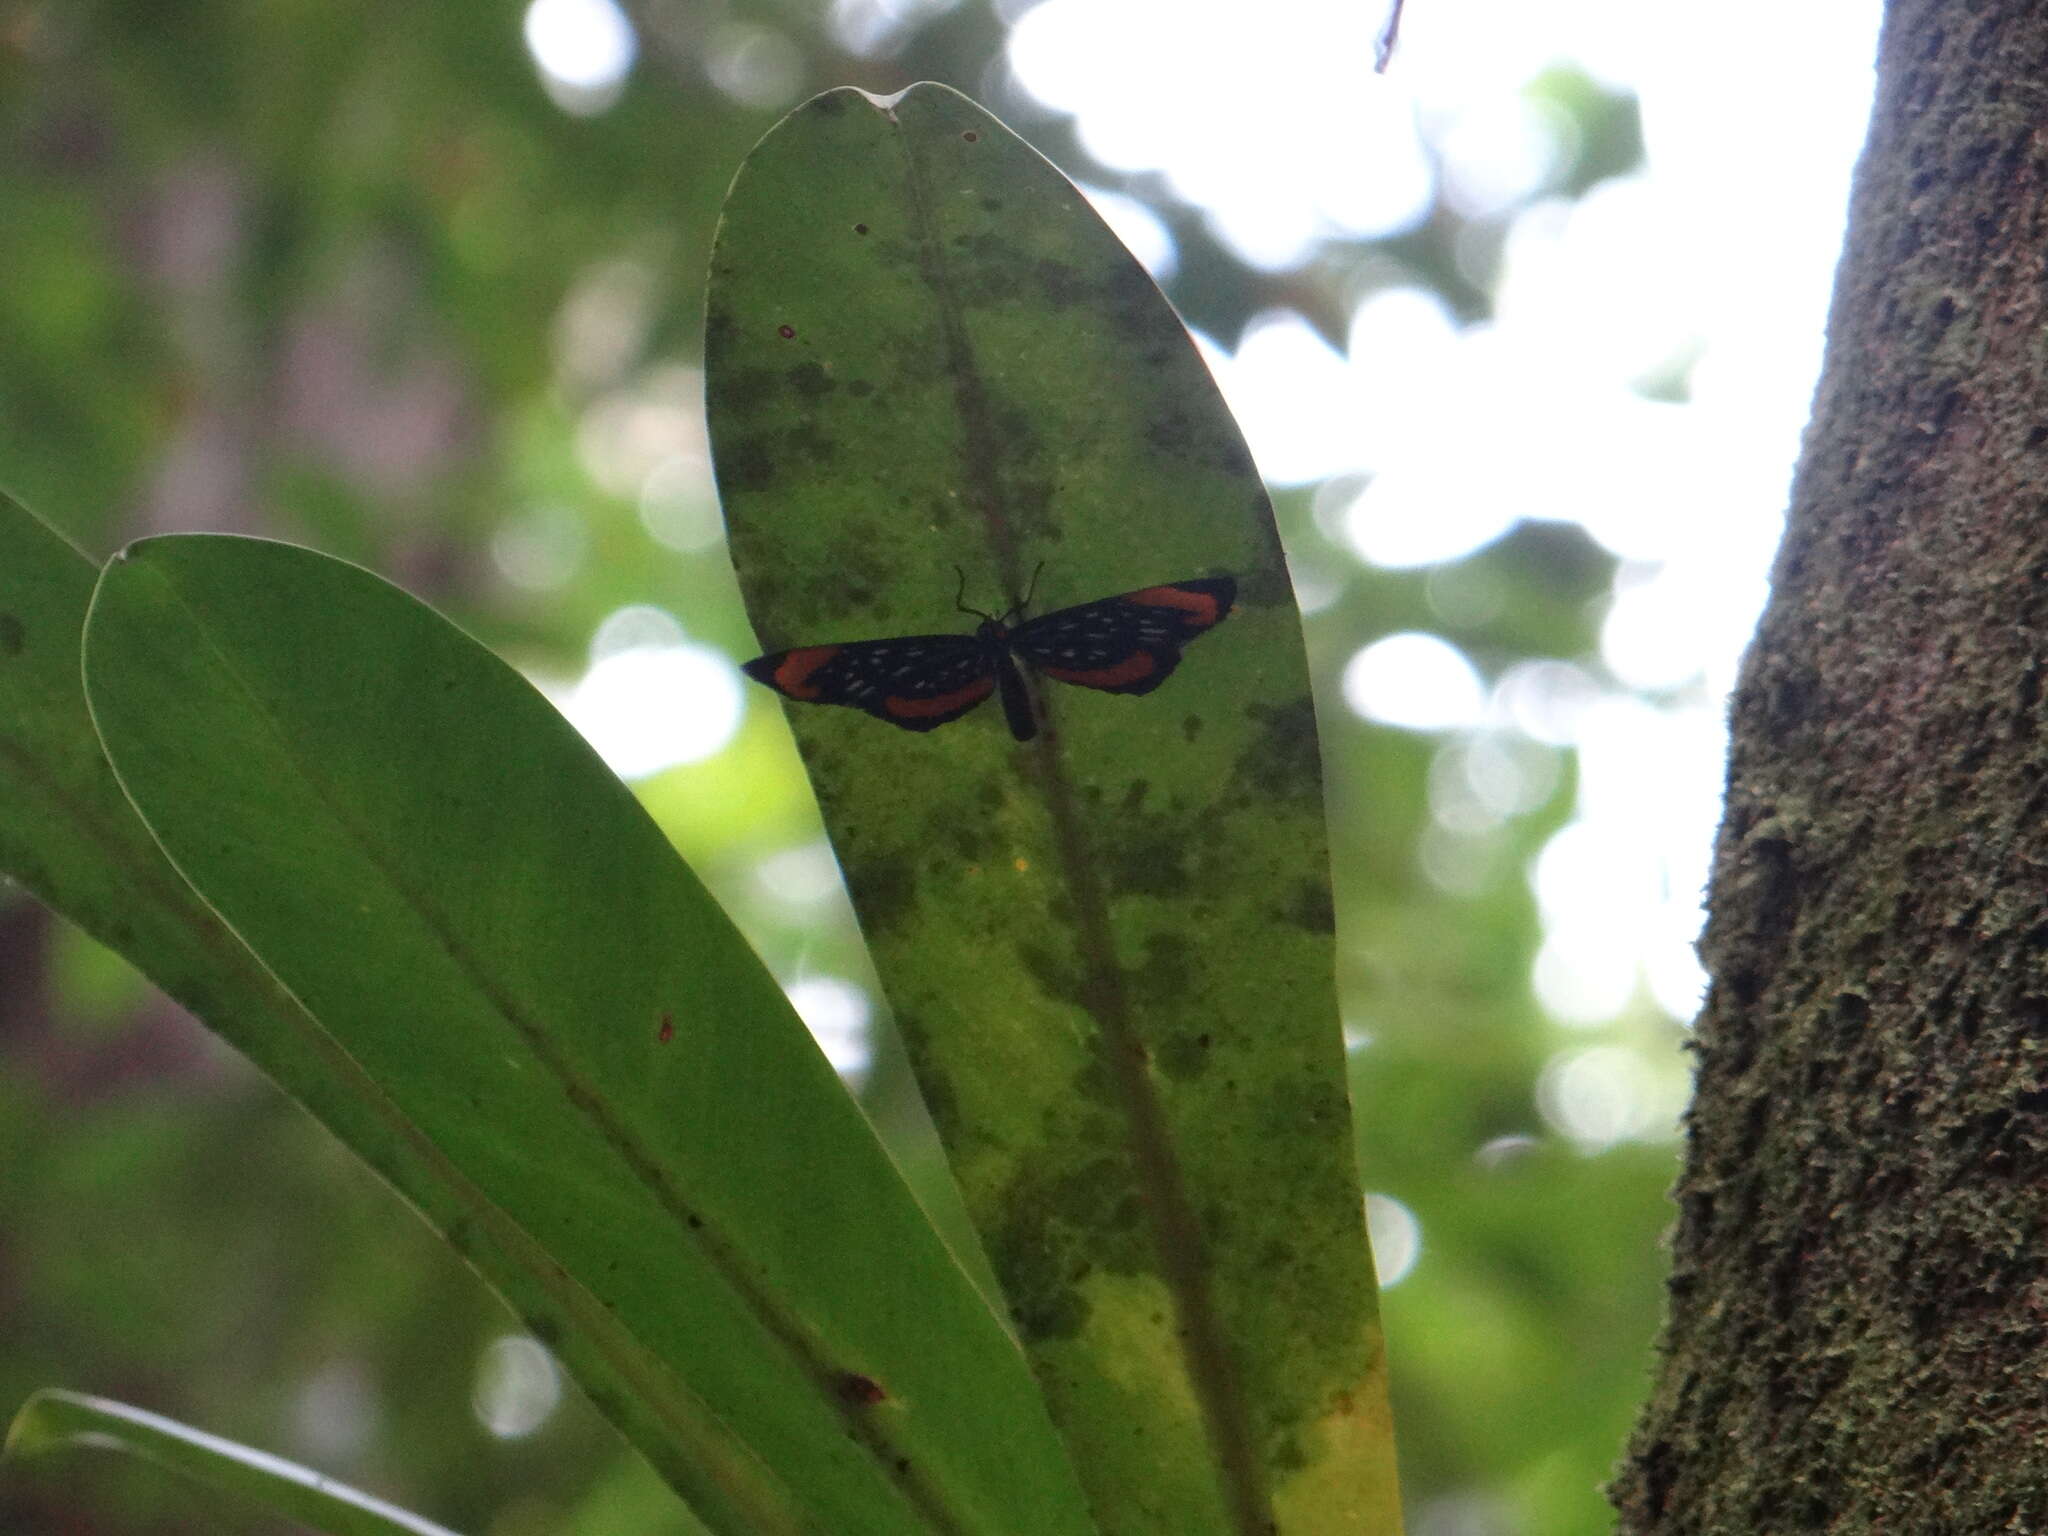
pixel 858 1391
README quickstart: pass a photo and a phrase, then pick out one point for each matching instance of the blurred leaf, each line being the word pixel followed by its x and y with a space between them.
pixel 590 1063
pixel 59 1421
pixel 1109 951
pixel 1607 124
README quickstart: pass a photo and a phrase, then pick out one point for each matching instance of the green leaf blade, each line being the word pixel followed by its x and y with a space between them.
pixel 70 835
pixel 453 885
pixel 50 1422
pixel 1109 949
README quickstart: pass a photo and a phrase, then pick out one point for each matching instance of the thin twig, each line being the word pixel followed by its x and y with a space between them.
pixel 1390 34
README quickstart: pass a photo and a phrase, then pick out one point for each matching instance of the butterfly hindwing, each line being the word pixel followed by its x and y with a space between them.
pixel 918 681
pixel 1129 643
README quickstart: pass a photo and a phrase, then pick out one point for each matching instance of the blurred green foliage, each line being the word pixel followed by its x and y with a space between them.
pixel 348 275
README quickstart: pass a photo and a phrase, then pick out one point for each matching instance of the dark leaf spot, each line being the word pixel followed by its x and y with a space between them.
pixel 1061 284
pixel 882 889
pixel 1283 759
pixel 745 389
pixel 1184 1056
pixel 1053 974
pixel 971 136
pixel 857 1390
pixel 1314 908
pixel 1169 962
pixel 13 638
pixel 811 381
pixel 1151 864
pixel 860 229
pixel 786 332
pixel 746 466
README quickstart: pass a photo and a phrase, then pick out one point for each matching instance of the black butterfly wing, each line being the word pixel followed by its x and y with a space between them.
pixel 918 682
pixel 1129 643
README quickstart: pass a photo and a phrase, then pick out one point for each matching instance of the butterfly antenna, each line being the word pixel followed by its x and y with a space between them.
pixel 960 597
pixel 1029 592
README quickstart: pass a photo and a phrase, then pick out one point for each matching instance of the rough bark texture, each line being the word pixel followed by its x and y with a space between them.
pixel 1858 1330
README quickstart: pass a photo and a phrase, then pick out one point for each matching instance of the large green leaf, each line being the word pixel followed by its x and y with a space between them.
pixel 609 1097
pixel 1109 950
pixel 69 835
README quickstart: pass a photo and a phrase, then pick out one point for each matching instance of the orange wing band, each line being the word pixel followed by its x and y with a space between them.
pixel 1200 607
pixel 942 703
pixel 794 672
pixel 1133 668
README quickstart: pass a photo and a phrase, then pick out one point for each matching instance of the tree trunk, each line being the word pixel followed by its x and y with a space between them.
pixel 1859 1286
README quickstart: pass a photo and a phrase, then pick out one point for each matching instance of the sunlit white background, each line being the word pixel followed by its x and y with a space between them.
pixel 1705 274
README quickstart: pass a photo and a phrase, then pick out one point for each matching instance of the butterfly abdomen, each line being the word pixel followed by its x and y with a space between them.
pixel 1017 707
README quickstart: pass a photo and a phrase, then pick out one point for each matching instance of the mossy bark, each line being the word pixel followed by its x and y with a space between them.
pixel 1858 1329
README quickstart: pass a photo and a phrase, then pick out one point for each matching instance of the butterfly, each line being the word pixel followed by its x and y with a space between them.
pixel 1129 643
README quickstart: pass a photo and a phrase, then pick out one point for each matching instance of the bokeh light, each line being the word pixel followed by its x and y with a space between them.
pixel 1396 1238
pixel 584 50
pixel 518 1385
pixel 836 1012
pixel 652 699
pixel 1656 275
pixel 1415 681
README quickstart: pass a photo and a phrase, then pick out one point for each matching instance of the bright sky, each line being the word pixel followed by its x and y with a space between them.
pixel 1713 264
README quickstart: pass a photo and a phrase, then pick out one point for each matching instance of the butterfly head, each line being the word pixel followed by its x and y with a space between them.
pixel 995 626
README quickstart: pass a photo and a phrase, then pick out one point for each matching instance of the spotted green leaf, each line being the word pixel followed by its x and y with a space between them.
pixel 1109 950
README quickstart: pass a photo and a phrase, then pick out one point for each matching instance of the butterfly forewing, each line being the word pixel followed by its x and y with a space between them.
pixel 1129 643
pixel 918 681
